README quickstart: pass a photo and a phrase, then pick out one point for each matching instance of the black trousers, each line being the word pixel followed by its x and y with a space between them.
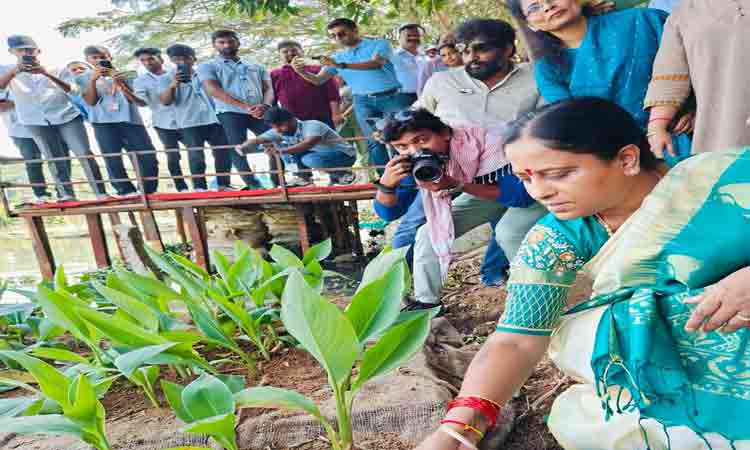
pixel 171 139
pixel 236 126
pixel 213 135
pixel 115 138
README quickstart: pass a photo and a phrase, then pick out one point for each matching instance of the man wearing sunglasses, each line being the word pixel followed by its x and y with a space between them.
pixel 366 66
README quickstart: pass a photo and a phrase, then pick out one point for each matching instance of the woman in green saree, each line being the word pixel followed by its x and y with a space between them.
pixel 661 347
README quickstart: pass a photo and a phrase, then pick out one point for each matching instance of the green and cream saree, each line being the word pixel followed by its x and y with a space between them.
pixel 645 382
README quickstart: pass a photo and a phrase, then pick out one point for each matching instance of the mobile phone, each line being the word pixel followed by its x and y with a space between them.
pixel 183 70
pixel 316 57
pixel 105 63
pixel 28 60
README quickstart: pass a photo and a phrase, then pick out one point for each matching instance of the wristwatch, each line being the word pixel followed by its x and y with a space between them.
pixel 385 189
pixel 342 65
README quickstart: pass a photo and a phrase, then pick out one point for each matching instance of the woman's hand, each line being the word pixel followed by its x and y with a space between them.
pixel 686 124
pixel 724 305
pixel 660 139
pixel 602 7
pixel 396 170
pixel 440 441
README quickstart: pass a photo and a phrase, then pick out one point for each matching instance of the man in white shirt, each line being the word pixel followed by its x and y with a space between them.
pixel 407 58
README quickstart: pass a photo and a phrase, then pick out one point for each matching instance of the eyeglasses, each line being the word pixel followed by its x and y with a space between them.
pixel 536 8
pixel 475 47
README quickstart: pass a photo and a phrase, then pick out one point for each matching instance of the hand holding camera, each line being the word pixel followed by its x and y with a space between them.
pixel 298 64
pixel 30 64
pixel 398 168
pixel 103 69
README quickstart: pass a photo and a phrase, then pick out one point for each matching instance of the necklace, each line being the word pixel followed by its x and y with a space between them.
pixel 603 222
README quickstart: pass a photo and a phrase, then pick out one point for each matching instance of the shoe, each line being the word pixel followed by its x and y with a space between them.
pixel 414 305
pixel 43 199
pixel 347 178
pixel 66 198
pixel 298 182
pixel 497 282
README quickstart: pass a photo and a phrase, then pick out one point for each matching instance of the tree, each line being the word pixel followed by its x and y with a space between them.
pixel 159 23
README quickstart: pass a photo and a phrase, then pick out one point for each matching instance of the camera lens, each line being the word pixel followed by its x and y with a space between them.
pixel 427 170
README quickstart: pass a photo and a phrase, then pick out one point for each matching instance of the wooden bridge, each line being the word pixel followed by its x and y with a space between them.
pixel 336 205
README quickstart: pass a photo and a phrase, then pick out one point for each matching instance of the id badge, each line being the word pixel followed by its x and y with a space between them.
pixel 114 107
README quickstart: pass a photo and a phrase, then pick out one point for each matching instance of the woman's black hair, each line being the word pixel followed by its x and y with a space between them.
pixel 541 44
pixel 585 125
pixel 412 120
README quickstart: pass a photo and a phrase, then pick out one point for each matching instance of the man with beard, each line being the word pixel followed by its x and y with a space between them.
pixel 490 91
pixel 366 65
pixel 148 87
pixel 305 100
pixel 241 93
pixel 407 58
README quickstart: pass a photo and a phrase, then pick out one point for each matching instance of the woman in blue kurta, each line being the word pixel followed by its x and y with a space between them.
pixel 656 242
pixel 577 53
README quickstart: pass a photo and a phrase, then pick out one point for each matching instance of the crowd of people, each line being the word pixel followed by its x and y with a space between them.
pixel 612 153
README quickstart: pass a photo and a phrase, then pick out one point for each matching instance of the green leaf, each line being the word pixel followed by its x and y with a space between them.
pixel 178 275
pixel 144 315
pixel 284 257
pixel 83 401
pixel 190 266
pixel 208 325
pixel 148 285
pixel 207 397
pixel 222 265
pixel 381 264
pixel 51 424
pixel 58 354
pixel 273 397
pixel 14 407
pixel 61 310
pixel 319 252
pixel 376 306
pixel 320 327
pixel 120 331
pixel 127 363
pixel 51 381
pixel 395 347
pixel 60 283
pixel 236 312
pixel 243 271
pixel 221 428
pixel 235 383
pixel 173 394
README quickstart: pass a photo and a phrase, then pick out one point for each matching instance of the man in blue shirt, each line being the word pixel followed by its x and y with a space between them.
pixel 195 117
pixel 307 143
pixel 407 58
pixel 147 87
pixel 44 108
pixel 241 91
pixel 118 127
pixel 367 67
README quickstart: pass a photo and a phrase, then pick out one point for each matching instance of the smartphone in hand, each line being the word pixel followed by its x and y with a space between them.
pixel 183 72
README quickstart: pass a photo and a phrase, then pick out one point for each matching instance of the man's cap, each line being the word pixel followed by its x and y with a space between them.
pixel 406 25
pixel 180 50
pixel 19 41
pixel 277 115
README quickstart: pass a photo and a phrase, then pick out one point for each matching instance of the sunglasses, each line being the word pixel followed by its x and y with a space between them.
pixel 475 47
pixel 401 116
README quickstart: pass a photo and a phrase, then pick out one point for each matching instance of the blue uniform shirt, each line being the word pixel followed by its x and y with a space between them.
pixel 112 106
pixel 192 106
pixel 365 82
pixel 240 79
pixel 148 87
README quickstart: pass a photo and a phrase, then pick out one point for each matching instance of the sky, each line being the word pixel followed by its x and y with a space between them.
pixel 39 19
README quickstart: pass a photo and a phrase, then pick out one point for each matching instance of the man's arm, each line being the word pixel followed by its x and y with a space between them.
pixel 268 94
pixel 128 92
pixel 305 145
pixel 318 79
pixel 215 90
pixel 167 97
pixel 90 93
pixel 58 82
pixel 7 105
pixel 483 191
pixel 7 77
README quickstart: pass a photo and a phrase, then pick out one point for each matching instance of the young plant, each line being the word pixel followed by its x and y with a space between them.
pixel 82 413
pixel 337 340
pixel 207 407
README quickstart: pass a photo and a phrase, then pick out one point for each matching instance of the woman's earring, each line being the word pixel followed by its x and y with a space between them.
pixel 632 171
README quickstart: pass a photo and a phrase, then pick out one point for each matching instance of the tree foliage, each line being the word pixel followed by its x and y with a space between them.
pixel 261 23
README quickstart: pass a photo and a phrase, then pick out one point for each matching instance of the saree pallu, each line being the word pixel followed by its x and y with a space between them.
pixel 656 382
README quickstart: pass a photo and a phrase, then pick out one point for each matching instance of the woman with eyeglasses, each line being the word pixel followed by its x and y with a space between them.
pixel 660 349
pixel 580 53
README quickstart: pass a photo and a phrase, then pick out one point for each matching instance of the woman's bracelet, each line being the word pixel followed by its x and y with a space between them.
pixel 489 409
pixel 465 426
pixel 458 436
pixel 385 189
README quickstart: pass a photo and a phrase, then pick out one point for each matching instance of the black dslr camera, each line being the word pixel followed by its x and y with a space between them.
pixel 427 165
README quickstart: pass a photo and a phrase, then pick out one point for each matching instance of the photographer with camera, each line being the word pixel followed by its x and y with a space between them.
pixel 464 180
pixel 118 127
pixel 196 120
pixel 44 108
pixel 308 143
pixel 147 86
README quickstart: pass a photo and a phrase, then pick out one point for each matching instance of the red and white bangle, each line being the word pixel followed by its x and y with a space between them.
pixel 457 436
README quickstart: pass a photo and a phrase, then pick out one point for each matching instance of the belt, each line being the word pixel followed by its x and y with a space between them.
pixel 382 94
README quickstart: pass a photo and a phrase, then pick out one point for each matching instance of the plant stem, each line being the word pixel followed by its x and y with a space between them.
pixel 149 390
pixel 343 414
